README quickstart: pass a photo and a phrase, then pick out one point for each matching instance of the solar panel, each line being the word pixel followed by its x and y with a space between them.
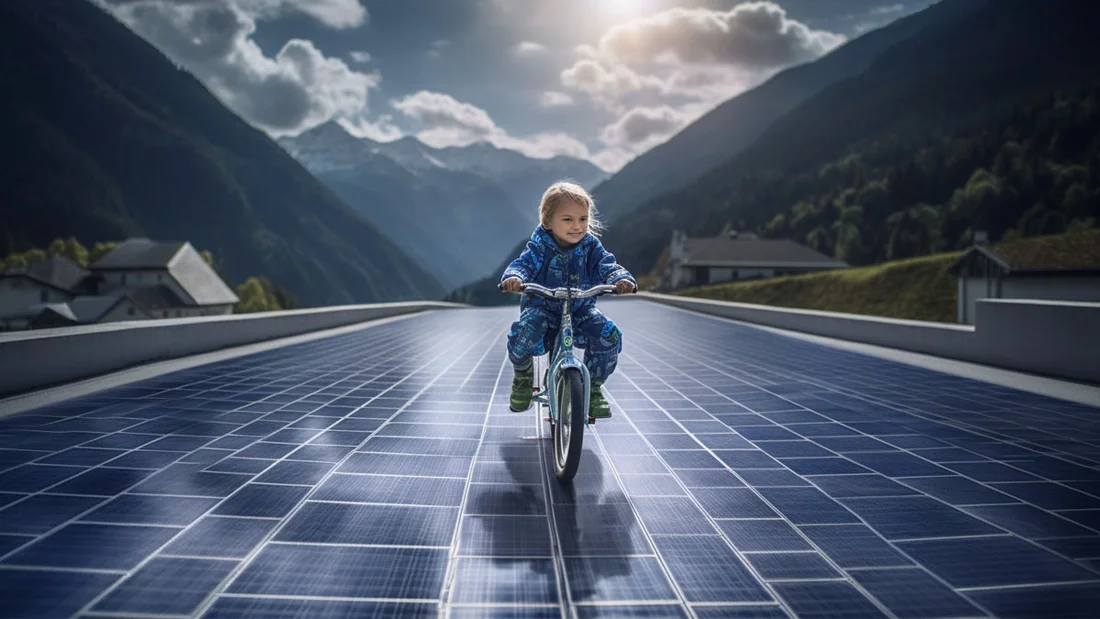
pixel 380 472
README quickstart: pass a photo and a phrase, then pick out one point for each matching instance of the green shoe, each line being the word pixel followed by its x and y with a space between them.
pixel 598 407
pixel 522 390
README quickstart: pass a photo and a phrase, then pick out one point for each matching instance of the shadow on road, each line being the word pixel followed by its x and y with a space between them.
pixel 594 527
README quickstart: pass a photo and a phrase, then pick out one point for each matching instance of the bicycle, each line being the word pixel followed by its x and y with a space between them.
pixel 567 403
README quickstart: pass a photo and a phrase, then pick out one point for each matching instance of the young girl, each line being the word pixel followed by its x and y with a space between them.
pixel 563 249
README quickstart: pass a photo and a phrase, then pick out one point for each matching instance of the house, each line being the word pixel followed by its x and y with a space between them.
pixel 138 280
pixel 53 280
pixel 170 279
pixel 735 256
pixel 1061 267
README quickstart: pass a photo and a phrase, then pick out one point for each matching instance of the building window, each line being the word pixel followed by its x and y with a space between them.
pixel 44 295
pixel 123 279
pixel 130 311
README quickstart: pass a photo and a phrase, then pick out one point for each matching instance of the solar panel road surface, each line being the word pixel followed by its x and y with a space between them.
pixel 377 473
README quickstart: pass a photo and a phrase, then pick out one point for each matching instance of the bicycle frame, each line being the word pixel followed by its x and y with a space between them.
pixel 558 381
pixel 561 356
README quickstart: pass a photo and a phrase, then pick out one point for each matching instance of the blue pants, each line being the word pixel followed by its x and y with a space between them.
pixel 535 332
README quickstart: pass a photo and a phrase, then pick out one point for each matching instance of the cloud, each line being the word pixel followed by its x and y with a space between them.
pixel 553 98
pixel 877 17
pixel 382 130
pixel 590 76
pixel 360 56
pixel 752 35
pixel 445 121
pixel 435 52
pixel 660 72
pixel 641 125
pixel 297 88
pixel 529 48
pixel 332 13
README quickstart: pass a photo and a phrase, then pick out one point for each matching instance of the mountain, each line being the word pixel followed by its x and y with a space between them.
pixel 989 123
pixel 484 292
pixel 434 201
pixel 455 224
pixel 522 178
pixel 730 127
pixel 106 138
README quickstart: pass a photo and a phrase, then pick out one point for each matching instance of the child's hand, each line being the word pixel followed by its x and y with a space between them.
pixel 512 284
pixel 624 286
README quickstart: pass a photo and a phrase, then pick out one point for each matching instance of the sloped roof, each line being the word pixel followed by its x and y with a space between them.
pixel 55 271
pixel 140 254
pixel 91 309
pixel 199 280
pixel 723 251
pixel 81 309
pixel 183 263
pixel 1068 253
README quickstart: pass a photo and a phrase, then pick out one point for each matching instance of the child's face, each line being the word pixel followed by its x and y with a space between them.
pixel 569 223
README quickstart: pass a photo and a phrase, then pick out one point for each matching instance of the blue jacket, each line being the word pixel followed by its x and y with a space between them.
pixel 543 262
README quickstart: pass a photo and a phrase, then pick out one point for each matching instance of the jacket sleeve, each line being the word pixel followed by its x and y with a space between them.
pixel 604 268
pixel 526 266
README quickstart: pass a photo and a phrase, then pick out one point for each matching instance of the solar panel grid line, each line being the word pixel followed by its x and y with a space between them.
pixel 50 568
pixel 275 542
pixel 203 606
pixel 828 559
pixel 561 575
pixel 665 571
pixel 132 615
pixel 994 525
pixel 888 541
pixel 901 479
pixel 857 430
pixel 447 590
pixel 893 405
pixel 740 556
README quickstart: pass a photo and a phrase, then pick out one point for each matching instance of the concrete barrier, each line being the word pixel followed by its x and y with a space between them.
pixel 36 359
pixel 1053 338
pixel 1049 338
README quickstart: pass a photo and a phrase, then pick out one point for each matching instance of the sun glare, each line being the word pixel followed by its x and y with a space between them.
pixel 622 8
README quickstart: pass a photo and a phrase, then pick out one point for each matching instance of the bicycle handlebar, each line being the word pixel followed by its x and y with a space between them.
pixel 563 293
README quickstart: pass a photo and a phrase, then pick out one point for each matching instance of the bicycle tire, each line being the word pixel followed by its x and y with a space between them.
pixel 570 397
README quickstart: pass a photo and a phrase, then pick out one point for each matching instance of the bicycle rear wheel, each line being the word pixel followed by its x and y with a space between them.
pixel 568 432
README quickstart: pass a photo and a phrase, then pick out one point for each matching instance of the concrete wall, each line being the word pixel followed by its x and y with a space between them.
pixel 1060 339
pixel 36 359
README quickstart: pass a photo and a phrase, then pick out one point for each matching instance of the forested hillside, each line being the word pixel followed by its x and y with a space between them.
pixel 105 138
pixel 991 125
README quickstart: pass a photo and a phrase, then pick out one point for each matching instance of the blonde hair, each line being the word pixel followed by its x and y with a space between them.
pixel 567 191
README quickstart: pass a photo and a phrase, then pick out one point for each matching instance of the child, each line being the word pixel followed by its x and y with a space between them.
pixel 563 249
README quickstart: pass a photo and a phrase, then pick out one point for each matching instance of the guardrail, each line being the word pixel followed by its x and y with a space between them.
pixel 41 358
pixel 1060 339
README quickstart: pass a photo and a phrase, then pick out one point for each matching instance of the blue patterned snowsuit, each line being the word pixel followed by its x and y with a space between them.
pixel 587 264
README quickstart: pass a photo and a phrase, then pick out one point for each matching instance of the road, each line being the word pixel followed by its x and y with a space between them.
pixel 380 473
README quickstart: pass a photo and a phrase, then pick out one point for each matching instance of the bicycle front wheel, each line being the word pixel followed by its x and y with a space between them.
pixel 568 432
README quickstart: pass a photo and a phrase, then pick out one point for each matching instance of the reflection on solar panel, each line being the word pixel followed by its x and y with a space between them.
pixel 380 473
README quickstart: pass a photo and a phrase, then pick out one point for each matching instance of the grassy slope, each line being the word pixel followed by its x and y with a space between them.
pixel 915 289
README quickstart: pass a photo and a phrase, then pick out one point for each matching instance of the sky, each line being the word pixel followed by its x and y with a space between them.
pixel 601 80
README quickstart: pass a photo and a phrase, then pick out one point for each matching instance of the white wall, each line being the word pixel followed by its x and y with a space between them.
pixel 112 280
pixel 40 358
pixel 1052 287
pixel 1053 338
pixel 18 293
